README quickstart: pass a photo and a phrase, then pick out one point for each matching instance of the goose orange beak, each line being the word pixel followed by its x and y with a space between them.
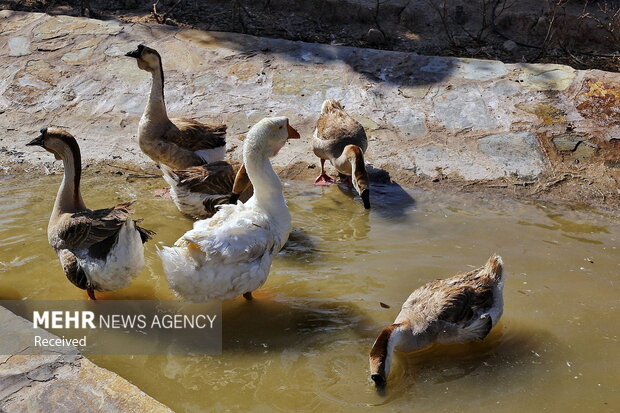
pixel 292 133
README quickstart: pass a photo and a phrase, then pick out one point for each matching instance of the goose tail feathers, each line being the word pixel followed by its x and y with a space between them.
pixel 494 268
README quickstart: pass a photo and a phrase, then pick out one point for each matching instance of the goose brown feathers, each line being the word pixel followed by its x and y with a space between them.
pixel 199 190
pixel 176 143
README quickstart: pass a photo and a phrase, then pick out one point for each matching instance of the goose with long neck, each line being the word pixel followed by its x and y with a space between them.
pixel 230 254
pixel 453 310
pixel 342 140
pixel 186 150
pixel 99 250
pixel 177 143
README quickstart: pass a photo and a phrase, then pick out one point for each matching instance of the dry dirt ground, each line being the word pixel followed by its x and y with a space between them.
pixel 584 34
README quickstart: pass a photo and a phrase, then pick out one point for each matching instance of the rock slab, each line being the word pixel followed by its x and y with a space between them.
pixel 474 119
pixel 62 381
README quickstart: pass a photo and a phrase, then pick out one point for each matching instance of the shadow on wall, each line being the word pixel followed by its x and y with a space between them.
pixel 379 66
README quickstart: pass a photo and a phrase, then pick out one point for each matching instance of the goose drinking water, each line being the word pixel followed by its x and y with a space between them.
pixel 458 309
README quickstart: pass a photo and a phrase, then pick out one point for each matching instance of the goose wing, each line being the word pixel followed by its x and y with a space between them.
pixel 462 303
pixel 236 234
pixel 337 125
pixel 454 300
pixel 85 228
pixel 195 136
pixel 212 178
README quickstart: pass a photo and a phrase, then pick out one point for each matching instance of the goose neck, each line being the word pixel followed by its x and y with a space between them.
pixel 267 185
pixel 156 106
pixel 69 197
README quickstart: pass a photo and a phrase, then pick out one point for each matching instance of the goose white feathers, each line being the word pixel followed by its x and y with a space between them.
pixel 230 254
pixel 453 310
pixel 99 250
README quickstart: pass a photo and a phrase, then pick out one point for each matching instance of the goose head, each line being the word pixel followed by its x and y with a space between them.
pixel 269 135
pixel 58 142
pixel 148 59
pixel 381 355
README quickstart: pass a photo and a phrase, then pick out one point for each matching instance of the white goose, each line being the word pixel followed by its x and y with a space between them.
pixel 230 254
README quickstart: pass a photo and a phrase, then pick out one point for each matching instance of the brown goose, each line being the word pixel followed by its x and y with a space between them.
pixel 99 250
pixel 176 143
pixel 342 140
pixel 184 149
pixel 198 191
pixel 453 310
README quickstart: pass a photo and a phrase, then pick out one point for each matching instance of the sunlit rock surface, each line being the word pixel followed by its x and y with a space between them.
pixel 62 381
pixel 430 116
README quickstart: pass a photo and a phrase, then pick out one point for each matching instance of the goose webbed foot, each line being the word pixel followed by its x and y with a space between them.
pixel 248 296
pixel 324 180
pixel 163 193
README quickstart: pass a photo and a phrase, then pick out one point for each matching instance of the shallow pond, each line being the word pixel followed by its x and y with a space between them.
pixel 303 343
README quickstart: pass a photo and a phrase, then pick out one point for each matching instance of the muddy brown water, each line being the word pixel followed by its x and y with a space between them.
pixel 302 344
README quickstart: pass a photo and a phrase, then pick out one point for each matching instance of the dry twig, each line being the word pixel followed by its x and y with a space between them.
pixel 161 18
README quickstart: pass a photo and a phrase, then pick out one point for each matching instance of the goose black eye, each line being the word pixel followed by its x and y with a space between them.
pixel 280 127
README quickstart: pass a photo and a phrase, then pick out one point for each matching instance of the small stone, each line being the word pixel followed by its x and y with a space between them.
pixel 375 37
pixel 566 143
pixel 68 96
pixel 585 150
pixel 509 45
pixel 463 108
pixel 546 76
pixel 482 70
pixel 19 46
pixel 515 153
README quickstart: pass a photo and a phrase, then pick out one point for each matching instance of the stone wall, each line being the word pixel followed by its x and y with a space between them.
pixel 427 117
